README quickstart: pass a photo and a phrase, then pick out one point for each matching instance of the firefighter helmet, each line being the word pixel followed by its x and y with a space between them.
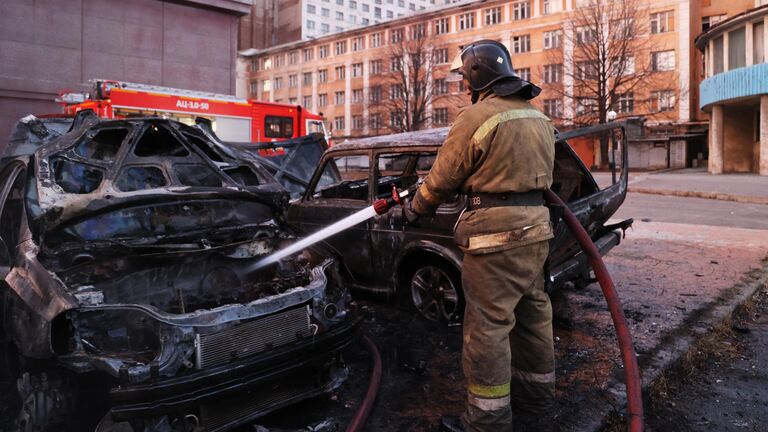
pixel 484 63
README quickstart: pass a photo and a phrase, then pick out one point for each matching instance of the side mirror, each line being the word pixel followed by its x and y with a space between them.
pixel 5 259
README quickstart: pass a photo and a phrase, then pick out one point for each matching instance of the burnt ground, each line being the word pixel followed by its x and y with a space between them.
pixel 722 385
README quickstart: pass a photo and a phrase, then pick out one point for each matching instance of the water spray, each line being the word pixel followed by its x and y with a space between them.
pixel 379 207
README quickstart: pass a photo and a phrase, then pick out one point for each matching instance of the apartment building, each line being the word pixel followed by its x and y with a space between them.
pixel 345 75
pixel 273 22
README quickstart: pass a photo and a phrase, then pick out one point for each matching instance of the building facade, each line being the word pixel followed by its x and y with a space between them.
pixel 346 75
pixel 276 22
pixel 48 47
pixel 735 92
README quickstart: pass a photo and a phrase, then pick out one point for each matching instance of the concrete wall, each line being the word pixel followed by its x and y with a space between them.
pixel 47 46
pixel 738 129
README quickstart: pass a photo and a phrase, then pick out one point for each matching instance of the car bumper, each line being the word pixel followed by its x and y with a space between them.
pixel 230 395
pixel 577 265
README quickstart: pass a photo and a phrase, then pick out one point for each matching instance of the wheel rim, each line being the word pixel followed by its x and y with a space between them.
pixel 434 294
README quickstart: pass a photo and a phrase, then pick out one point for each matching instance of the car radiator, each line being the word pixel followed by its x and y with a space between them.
pixel 252 337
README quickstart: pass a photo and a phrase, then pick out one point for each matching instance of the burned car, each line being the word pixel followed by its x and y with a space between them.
pixel 129 296
pixel 422 262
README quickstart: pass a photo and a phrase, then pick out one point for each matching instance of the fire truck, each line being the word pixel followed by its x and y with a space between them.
pixel 233 119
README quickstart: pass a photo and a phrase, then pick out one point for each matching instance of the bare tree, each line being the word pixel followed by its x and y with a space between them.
pixel 608 44
pixel 408 87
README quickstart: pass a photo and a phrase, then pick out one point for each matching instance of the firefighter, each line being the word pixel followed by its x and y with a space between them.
pixel 500 153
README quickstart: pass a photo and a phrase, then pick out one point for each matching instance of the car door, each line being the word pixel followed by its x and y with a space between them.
pixel 339 188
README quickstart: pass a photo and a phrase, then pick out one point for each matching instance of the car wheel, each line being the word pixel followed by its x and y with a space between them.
pixel 436 293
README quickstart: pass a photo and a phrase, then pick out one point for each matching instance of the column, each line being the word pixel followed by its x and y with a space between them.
pixel 366 94
pixel 716 140
pixel 535 8
pixel 684 61
pixel 348 98
pixel 764 135
pixel 749 39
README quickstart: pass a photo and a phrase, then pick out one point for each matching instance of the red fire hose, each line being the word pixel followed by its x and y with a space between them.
pixel 358 421
pixel 628 357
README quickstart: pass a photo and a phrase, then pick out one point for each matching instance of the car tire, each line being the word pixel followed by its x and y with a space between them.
pixel 434 291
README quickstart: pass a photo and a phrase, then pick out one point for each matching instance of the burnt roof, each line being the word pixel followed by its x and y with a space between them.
pixel 433 137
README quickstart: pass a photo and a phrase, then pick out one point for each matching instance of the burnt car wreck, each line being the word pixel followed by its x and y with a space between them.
pixel 125 254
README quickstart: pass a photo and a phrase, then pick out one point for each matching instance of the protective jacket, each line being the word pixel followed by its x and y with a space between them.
pixel 498 145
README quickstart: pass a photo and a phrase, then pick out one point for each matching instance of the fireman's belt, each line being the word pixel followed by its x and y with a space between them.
pixel 486 200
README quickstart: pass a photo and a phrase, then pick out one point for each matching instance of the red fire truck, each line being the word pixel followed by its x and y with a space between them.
pixel 233 119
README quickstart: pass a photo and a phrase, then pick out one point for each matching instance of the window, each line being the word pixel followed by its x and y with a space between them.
pixel 395 119
pixel 341 47
pixel 279 60
pixel 278 83
pixel 418 31
pixel 266 85
pixel 585 34
pixel 622 66
pixel 325 12
pixel 310 25
pixel 255 65
pixel 521 10
pixel 662 22
pixel 293 57
pixel 442 26
pixel 467 21
pixel 396 35
pixel 626 103
pixel 340 16
pixel 374 94
pixel 441 55
pixel 341 72
pixel 358 43
pixel 307 78
pixel 551 6
pixel 311 9
pixel 553 39
pixel 278 127
pixel 357 70
pixel 439 87
pixel 254 89
pixel 663 100
pixel 322 75
pixel 352 4
pixel 585 106
pixel 553 73
pixel 440 117
pixel 339 98
pixel 357 96
pixel 292 101
pixel 375 121
pixel 293 81
pixel 338 123
pixel 375 67
pixel 586 70
pixel 366 8
pixel 525 73
pixel 396 91
pixel 553 108
pixel 492 16
pixel 322 51
pixel 377 12
pixel 325 28
pixel 663 60
pixel 357 122
pixel 376 39
pixel 521 44
pixel 737 48
pixel 396 64
pixel 309 53
pixel 306 101
pixel 322 99
pixel 758 43
pixel 267 63
pixel 390 14
pixel 149 177
pixel 709 21
pixel 344 177
pixel 718 62
pixel 103 146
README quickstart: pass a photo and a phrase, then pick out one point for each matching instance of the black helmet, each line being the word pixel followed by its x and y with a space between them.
pixel 483 63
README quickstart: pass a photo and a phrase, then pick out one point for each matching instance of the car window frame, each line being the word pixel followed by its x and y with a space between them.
pixel 308 194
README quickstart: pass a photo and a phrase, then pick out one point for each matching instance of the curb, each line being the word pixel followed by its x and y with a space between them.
pixel 672 349
pixel 747 199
